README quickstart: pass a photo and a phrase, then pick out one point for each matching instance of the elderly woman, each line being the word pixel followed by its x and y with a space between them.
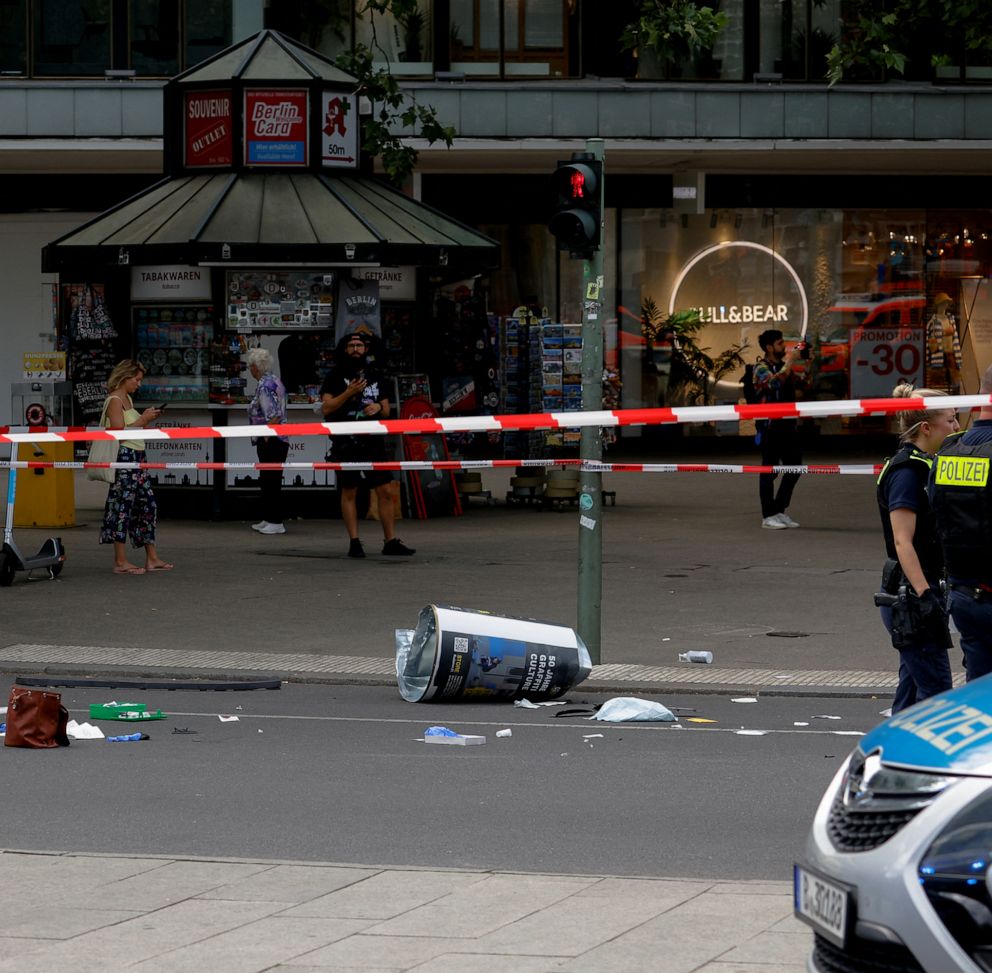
pixel 131 509
pixel 268 407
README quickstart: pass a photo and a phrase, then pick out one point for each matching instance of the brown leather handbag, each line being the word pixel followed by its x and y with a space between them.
pixel 35 719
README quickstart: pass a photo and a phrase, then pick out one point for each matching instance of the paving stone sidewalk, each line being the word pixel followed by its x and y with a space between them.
pixel 163 914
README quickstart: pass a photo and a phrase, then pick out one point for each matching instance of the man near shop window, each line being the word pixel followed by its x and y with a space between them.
pixel 355 390
pixel 961 498
pixel 778 378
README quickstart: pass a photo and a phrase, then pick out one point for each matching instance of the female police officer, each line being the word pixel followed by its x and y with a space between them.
pixel 917 621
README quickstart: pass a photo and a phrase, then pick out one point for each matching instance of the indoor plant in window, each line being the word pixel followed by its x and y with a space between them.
pixel 668 32
pixel 411 24
pixel 686 370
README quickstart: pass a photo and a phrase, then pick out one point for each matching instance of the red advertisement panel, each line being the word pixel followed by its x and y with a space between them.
pixel 276 128
pixel 207 124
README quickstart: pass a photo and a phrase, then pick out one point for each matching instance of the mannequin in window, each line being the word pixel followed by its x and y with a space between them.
pixel 943 353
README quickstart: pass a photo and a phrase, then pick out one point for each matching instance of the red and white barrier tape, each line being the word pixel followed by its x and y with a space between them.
pixel 867 469
pixel 506 423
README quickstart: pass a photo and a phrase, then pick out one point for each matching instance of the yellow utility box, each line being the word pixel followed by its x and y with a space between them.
pixel 45 497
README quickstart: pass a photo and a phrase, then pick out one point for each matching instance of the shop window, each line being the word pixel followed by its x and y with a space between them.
pixel 401 43
pixel 533 41
pixel 327 26
pixel 207 29
pixel 155 36
pixel 72 37
pixel 13 36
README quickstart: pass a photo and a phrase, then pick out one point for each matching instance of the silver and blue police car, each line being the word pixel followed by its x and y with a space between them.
pixel 897 876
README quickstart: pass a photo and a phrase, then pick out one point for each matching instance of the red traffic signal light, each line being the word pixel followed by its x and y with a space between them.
pixel 577 216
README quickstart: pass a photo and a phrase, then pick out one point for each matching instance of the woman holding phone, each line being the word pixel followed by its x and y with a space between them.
pixel 131 510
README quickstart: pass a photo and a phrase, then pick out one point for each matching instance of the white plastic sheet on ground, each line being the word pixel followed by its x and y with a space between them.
pixel 630 709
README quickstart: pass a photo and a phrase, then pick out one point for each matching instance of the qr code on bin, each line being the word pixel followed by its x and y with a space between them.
pixel 461 644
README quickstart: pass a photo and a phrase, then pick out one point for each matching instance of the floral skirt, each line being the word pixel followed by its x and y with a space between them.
pixel 131 510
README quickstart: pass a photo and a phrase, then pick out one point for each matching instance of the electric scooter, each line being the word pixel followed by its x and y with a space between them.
pixel 51 557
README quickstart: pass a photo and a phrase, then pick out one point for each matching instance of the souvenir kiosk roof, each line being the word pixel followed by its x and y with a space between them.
pixel 240 215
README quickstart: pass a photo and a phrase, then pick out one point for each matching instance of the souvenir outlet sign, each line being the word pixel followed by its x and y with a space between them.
pixel 207 131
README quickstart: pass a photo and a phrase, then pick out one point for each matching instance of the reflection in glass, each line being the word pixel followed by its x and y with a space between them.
pixel 13 36
pixel 71 37
pixel 208 29
pixel 155 36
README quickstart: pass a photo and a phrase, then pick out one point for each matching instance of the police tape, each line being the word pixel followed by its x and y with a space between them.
pixel 505 423
pixel 587 466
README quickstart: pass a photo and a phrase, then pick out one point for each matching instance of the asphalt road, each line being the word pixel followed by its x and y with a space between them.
pixel 324 773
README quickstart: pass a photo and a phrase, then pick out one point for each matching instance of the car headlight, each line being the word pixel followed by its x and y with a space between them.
pixel 956 874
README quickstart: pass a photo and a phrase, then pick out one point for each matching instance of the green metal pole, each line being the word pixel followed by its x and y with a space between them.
pixel 590 585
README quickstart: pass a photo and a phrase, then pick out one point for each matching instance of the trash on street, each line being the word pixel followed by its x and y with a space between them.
pixel 630 709
pixel 442 734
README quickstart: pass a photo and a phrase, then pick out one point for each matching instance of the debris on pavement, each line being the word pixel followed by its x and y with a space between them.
pixel 227 719
pixel 442 734
pixel 826 716
pixel 130 712
pixel 703 657
pixel 750 733
pixel 83 731
pixel 800 724
pixel 504 733
pixel 525 704
pixel 698 719
pixel 630 709
pixel 453 652
pixel 744 699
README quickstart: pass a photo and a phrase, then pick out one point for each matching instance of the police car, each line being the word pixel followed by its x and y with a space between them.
pixel 898 868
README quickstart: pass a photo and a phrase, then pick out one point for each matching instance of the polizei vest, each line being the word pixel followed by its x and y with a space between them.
pixel 962 506
pixel 925 541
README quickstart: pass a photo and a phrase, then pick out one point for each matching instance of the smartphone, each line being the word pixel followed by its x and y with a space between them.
pixel 162 407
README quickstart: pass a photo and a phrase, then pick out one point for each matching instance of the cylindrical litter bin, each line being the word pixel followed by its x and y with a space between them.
pixel 457 653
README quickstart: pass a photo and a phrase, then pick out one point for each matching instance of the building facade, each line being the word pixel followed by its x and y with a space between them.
pixel 737 181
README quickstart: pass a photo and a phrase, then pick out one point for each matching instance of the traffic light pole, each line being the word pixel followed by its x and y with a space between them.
pixel 590 586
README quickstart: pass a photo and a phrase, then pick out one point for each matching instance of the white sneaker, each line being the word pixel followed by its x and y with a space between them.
pixel 272 529
pixel 260 525
pixel 787 520
pixel 774 522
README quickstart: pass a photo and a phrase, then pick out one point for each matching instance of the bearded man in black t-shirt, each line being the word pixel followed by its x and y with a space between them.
pixel 355 390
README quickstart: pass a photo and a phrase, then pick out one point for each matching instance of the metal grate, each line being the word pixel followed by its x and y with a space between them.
pixel 862 956
pixel 853 829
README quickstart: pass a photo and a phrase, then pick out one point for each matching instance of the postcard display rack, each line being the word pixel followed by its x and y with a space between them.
pixel 561 379
pixel 541 363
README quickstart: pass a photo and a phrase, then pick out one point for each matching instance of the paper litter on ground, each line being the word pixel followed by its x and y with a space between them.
pixel 83 731
pixel 744 699
pixel 227 719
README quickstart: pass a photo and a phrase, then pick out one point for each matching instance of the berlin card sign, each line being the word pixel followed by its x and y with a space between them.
pixel 276 127
pixel 207 128
pixel 339 130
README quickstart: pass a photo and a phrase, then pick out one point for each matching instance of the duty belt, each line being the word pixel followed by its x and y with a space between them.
pixel 980 592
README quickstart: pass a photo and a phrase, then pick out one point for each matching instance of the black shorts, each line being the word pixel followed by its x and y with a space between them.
pixel 371 478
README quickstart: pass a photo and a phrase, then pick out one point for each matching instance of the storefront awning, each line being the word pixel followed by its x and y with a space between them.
pixel 271 219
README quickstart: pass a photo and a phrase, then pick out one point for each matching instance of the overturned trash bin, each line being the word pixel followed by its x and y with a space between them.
pixel 456 653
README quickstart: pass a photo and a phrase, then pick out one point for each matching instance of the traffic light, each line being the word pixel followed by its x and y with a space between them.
pixel 577 216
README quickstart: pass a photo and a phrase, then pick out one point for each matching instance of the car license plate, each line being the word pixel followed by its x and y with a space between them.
pixel 823 904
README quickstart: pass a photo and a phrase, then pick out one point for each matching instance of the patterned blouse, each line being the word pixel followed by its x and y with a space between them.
pixel 269 403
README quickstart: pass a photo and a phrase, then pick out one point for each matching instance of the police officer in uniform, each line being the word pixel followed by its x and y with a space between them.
pixel 913 611
pixel 961 497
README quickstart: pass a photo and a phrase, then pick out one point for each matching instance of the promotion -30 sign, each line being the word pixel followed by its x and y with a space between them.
pixel 881 358
pixel 276 127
